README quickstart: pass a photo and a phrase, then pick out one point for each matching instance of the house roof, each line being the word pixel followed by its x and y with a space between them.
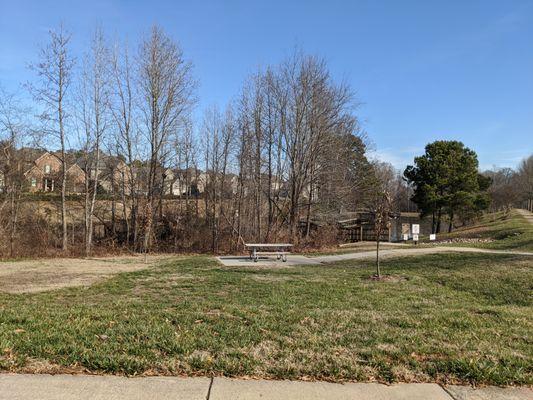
pixel 29 155
pixel 75 167
pixel 104 160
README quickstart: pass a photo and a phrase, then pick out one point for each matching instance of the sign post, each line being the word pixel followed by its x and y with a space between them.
pixel 416 230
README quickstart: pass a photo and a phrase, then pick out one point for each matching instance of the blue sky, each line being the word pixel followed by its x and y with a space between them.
pixel 424 70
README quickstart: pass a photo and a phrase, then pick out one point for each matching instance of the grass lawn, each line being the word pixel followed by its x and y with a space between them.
pixel 357 248
pixel 446 318
pixel 509 231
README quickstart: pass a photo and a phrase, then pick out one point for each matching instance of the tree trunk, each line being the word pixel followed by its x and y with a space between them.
pixel 63 185
pixel 378 271
pixel 93 200
pixel 64 208
pixel 113 205
pixel 450 226
pixel 13 230
pixel 308 217
pixel 148 226
pixel 125 209
pixel 87 205
pixel 439 215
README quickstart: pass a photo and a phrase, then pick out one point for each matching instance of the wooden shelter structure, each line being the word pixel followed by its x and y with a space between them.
pixel 361 228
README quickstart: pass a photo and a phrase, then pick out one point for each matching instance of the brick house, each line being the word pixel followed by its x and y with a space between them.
pixel 43 173
pixel 113 173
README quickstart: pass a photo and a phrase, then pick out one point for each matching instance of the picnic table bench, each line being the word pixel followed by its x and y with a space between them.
pixel 280 250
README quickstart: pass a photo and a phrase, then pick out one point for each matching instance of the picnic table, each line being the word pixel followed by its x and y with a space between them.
pixel 280 250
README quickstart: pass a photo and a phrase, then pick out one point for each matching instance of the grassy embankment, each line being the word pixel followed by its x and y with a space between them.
pixel 503 231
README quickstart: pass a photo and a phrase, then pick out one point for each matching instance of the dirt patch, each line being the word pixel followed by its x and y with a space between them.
pixel 50 274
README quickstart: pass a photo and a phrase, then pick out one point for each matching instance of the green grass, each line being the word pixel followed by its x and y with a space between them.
pixel 446 318
pixel 510 231
pixel 360 248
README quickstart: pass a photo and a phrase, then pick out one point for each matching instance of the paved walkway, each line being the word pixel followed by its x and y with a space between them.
pixel 83 387
pixel 242 261
pixel 387 253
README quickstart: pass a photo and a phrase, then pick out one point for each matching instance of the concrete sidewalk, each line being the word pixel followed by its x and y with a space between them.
pixel 401 252
pixel 296 259
pixel 83 387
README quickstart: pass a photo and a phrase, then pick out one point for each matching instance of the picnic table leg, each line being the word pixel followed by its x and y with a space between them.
pixel 255 255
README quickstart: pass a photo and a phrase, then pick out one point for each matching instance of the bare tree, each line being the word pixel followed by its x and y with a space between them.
pixel 289 151
pixel 504 191
pixel 54 70
pixel 218 139
pixel 13 130
pixel 167 90
pixel 94 104
pixel 381 213
pixel 525 179
pixel 212 126
pixel 381 204
pixel 127 136
pixel 313 110
pixel 300 147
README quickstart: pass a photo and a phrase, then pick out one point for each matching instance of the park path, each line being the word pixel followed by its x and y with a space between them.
pixel 526 214
pixel 400 251
pixel 387 253
pixel 85 387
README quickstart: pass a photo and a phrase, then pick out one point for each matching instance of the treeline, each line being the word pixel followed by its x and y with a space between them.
pixel 512 187
pixel 281 162
pixel 449 188
pixel 297 148
pixel 287 152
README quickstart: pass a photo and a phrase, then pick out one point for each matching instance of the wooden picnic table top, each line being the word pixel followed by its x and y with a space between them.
pixel 268 245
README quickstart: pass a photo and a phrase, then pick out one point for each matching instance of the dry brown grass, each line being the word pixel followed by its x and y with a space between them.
pixel 32 276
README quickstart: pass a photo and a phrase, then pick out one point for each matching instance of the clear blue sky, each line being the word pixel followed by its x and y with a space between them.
pixel 424 70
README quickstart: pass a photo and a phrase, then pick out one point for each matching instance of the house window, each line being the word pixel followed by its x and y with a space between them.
pixel 47 169
pixel 33 182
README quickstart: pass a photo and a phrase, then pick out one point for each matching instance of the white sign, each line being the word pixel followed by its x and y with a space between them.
pixel 406 237
pixel 415 238
pixel 432 236
pixel 415 229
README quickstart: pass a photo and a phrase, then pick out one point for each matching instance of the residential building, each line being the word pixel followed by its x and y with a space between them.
pixel 44 171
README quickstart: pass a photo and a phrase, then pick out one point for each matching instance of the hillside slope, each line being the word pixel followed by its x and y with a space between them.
pixel 502 230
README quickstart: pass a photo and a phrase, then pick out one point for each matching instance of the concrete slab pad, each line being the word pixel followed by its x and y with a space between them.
pixel 490 393
pixel 230 389
pixel 244 261
pixel 80 387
